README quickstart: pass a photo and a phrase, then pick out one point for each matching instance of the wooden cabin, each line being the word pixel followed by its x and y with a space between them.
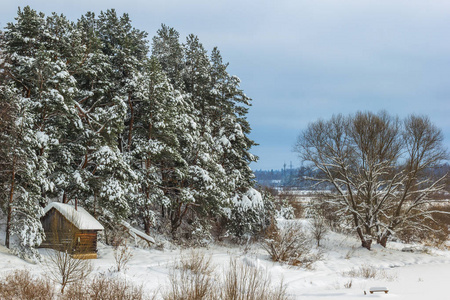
pixel 70 228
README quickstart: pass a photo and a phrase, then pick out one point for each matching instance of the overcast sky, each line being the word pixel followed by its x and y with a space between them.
pixel 301 60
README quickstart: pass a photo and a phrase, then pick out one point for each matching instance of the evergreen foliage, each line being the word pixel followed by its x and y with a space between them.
pixel 88 113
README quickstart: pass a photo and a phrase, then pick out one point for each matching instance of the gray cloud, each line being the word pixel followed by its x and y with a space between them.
pixel 308 59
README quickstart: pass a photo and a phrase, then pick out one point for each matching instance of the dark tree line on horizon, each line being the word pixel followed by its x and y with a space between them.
pixel 300 178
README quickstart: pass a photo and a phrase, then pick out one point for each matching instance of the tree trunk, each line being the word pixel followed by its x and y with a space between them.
pixel 130 129
pixel 10 203
pixel 383 239
pixel 366 244
pixel 147 225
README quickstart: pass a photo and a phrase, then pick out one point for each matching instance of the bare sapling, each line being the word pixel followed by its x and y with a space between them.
pixel 63 266
pixel 319 228
pixel 122 251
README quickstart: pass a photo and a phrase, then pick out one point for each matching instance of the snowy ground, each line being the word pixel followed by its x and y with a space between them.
pixel 423 274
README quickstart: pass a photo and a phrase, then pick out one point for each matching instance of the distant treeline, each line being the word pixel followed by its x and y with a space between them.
pixel 299 178
pixel 285 177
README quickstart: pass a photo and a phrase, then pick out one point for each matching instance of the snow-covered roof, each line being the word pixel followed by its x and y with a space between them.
pixel 80 217
pixel 135 232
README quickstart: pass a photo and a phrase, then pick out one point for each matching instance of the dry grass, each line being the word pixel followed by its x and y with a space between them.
pixel 196 262
pixel 20 284
pixel 368 272
pixel 193 278
pixel 102 288
pixel 348 284
pixel 190 286
pixel 243 282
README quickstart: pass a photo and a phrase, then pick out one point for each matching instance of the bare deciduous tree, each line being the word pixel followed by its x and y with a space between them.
pixel 319 228
pixel 378 166
pixel 122 254
pixel 63 266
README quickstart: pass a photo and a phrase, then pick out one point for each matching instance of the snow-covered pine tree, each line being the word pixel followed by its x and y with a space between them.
pixel 155 148
pixel 205 170
pixel 39 85
pixel 24 175
pixel 105 83
pixel 217 147
pixel 167 49
pixel 229 106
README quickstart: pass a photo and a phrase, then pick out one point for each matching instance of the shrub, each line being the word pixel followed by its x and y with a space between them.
pixel 196 262
pixel 103 288
pixel 289 206
pixel 192 279
pixel 64 268
pixel 289 245
pixel 435 230
pixel 323 206
pixel 20 284
pixel 122 255
pixel 243 282
pixel 319 228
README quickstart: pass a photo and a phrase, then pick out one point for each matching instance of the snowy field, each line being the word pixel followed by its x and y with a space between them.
pixel 422 274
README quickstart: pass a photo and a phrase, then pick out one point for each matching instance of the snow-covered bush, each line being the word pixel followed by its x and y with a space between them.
pixel 285 211
pixel 289 244
pixel 288 206
pixel 247 214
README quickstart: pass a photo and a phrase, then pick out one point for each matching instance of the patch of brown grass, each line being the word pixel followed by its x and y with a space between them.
pixel 20 284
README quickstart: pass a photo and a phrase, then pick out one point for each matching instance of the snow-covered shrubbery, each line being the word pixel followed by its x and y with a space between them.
pixel 289 243
pixel 288 206
pixel 247 214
